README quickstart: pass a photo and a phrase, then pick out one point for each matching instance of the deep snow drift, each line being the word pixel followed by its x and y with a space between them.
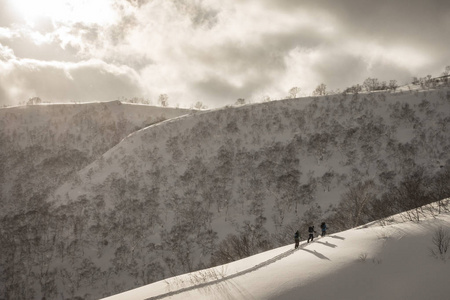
pixel 388 259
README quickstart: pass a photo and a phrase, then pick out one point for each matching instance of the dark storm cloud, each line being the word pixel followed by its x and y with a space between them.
pixel 93 40
pixel 420 25
pixel 198 12
pixel 254 66
pixel 303 37
pixel 237 59
pixel 138 3
pixel 414 21
pixel 118 32
pixel 235 72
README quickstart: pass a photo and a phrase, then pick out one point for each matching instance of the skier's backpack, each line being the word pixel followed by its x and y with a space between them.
pixel 311 229
pixel 323 226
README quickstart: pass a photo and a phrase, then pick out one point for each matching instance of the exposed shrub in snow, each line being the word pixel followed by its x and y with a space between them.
pixel 441 243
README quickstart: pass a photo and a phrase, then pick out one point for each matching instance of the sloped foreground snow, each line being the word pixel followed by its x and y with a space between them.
pixel 389 259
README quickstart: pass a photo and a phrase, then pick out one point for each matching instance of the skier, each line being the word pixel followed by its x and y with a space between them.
pixel 311 233
pixel 324 228
pixel 297 239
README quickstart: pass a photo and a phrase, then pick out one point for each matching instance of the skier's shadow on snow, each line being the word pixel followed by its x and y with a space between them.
pixel 327 244
pixel 319 255
pixel 336 237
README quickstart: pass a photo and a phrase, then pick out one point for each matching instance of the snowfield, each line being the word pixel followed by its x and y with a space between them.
pixel 388 259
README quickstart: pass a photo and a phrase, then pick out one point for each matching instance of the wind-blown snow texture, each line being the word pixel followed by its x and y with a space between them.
pixel 382 260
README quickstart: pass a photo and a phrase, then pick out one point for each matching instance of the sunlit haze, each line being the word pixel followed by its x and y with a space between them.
pixel 65 11
pixel 213 51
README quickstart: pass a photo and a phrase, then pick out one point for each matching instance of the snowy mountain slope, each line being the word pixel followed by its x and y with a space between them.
pixel 167 198
pixel 42 145
pixel 210 188
pixel 376 261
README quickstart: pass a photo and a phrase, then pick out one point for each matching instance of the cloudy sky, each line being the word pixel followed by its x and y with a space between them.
pixel 213 51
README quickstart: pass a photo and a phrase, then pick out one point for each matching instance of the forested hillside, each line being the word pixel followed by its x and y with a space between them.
pixel 212 187
pixel 41 146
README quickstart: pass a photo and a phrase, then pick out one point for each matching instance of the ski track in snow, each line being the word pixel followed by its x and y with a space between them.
pixel 240 273
pixel 398 249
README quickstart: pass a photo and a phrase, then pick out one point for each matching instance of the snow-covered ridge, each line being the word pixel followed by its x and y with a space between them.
pixel 376 261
